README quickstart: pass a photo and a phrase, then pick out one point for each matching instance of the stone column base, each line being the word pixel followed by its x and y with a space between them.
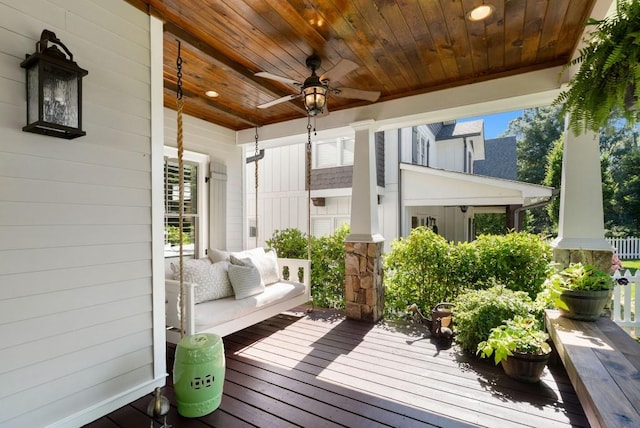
pixel 364 290
pixel 599 258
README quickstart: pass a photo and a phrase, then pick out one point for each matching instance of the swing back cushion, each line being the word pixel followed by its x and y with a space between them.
pixel 266 261
pixel 245 278
pixel 212 278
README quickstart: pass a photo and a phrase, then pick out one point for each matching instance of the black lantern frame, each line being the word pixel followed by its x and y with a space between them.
pixel 54 90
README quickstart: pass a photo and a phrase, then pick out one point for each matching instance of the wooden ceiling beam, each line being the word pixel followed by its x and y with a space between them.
pixel 259 83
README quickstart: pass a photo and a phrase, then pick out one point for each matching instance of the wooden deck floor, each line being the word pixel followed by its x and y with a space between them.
pixel 321 370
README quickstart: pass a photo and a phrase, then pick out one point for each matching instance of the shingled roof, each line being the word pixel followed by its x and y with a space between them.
pixel 499 160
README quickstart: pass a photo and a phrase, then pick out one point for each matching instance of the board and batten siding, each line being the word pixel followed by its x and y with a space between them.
pixel 78 336
pixel 225 171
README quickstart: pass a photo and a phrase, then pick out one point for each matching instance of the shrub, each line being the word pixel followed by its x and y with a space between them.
pixel 418 270
pixel 476 312
pixel 327 269
pixel 327 262
pixel 518 260
pixel 289 243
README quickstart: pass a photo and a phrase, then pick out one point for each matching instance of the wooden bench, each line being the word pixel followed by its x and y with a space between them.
pixel 603 363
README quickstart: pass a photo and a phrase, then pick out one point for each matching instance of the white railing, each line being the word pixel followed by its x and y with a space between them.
pixel 626 302
pixel 626 248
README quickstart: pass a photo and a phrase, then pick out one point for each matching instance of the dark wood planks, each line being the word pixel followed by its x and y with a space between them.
pixel 321 370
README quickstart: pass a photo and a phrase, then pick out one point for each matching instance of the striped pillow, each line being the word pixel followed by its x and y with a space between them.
pixel 245 278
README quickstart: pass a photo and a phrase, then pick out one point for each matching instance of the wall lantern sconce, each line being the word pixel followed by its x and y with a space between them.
pixel 464 208
pixel 54 90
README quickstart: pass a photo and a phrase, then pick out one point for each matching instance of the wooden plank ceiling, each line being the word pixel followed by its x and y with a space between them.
pixel 402 48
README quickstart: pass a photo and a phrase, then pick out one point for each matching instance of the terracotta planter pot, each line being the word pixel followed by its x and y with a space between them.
pixel 584 305
pixel 525 367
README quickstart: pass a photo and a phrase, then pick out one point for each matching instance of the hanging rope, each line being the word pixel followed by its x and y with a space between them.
pixel 308 179
pixel 257 156
pixel 179 107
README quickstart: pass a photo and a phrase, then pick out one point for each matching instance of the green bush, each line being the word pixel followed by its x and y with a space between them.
pixel 327 262
pixel 327 269
pixel 289 243
pixel 418 270
pixel 476 312
pixel 425 269
pixel 518 260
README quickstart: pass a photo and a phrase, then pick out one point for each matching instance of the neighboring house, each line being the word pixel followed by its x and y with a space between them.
pixel 440 184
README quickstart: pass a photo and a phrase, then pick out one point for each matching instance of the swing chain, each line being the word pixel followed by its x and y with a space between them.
pixel 257 156
pixel 179 74
pixel 308 177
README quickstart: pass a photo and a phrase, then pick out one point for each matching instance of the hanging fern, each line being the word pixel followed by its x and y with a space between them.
pixel 609 72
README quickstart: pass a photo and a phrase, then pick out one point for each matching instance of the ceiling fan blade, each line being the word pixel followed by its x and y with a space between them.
pixel 357 94
pixel 279 100
pixel 340 70
pixel 278 78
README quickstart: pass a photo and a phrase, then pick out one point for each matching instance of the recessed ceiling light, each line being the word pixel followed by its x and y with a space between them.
pixel 480 12
pixel 211 94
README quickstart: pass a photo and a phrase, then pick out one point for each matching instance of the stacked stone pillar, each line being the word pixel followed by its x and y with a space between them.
pixel 364 289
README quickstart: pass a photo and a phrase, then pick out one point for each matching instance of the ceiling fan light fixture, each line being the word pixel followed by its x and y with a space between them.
pixel 480 13
pixel 315 98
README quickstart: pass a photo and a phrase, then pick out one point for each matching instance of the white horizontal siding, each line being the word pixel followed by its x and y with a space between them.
pixel 219 144
pixel 76 289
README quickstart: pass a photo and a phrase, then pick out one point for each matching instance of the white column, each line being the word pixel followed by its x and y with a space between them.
pixel 364 197
pixel 581 222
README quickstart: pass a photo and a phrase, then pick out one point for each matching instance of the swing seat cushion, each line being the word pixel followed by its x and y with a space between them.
pixel 215 312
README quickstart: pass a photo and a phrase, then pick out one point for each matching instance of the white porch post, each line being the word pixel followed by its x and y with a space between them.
pixel 364 195
pixel 581 223
pixel 364 291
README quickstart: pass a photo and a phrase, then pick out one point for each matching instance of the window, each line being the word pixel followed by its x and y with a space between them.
pixel 194 170
pixel 334 153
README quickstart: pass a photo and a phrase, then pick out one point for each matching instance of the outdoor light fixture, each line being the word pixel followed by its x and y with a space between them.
pixel 481 12
pixel 54 90
pixel 313 90
pixel 464 208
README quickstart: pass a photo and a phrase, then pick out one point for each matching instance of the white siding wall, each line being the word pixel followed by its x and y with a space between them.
pixel 451 154
pixel 282 198
pixel 225 156
pixel 76 291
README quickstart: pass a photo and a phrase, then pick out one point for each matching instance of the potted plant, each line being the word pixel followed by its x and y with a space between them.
pixel 608 77
pixel 521 346
pixel 580 291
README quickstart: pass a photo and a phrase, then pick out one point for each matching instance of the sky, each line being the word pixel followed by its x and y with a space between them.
pixel 495 124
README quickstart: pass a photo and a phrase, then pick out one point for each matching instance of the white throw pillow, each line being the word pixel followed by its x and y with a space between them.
pixel 212 279
pixel 245 278
pixel 265 261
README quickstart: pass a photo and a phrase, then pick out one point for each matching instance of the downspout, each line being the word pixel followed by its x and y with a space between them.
pixel 399 183
pixel 517 211
pixel 464 154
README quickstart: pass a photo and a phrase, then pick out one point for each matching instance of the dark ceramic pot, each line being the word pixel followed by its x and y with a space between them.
pixel 525 367
pixel 584 305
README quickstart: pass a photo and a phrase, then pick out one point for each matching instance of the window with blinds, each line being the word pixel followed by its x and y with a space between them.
pixel 172 207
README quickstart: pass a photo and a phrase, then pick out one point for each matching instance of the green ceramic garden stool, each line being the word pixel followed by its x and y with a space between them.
pixel 198 374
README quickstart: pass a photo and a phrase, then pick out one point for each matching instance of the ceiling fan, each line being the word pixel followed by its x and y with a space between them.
pixel 315 89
